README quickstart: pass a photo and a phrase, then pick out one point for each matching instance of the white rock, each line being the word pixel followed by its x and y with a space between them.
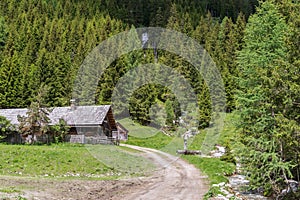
pixel 222 184
pixel 221 197
pixel 217 154
pixel 221 149
pixel 225 192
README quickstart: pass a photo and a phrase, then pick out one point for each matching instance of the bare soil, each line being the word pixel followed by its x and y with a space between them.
pixel 173 179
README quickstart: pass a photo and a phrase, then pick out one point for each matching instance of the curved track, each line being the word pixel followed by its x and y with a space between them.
pixel 173 179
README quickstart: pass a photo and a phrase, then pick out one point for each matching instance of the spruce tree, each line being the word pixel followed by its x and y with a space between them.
pixel 6 127
pixel 3 33
pixel 263 100
pixel 36 122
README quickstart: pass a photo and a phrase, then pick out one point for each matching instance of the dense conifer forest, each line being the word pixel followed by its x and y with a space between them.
pixel 47 41
pixel 255 46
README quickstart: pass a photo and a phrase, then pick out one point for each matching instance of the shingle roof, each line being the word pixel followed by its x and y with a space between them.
pixel 82 115
pixel 12 114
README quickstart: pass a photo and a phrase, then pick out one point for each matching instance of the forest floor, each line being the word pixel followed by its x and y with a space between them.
pixel 172 179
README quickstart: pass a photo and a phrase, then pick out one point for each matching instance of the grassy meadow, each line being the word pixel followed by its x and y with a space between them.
pixel 53 161
pixel 64 161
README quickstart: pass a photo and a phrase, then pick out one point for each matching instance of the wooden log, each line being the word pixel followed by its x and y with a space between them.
pixel 189 152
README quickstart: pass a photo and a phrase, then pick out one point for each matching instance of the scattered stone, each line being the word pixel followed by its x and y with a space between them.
pixel 293 186
pixel 218 152
pixel 238 183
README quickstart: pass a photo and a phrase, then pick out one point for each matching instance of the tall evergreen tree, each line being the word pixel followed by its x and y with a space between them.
pixel 264 99
pixel 36 122
pixel 170 113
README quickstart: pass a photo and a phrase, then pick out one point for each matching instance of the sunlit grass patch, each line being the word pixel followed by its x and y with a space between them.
pixel 214 168
pixel 49 161
pixel 122 159
pixel 137 130
pixel 157 141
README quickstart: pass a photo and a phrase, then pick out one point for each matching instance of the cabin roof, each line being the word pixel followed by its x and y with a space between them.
pixel 81 115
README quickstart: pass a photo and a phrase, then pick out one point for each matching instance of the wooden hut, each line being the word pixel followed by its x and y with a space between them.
pixel 95 124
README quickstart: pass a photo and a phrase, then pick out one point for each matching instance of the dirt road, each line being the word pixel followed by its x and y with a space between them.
pixel 173 179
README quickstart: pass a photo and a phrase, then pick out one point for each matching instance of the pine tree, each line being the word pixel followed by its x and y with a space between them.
pixel 11 78
pixel 36 122
pixel 225 50
pixel 6 127
pixel 158 20
pixel 174 19
pixel 291 11
pixel 202 30
pixel 170 113
pixel 267 129
pixel 3 33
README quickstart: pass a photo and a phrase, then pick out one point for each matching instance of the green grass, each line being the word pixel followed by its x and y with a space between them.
pixel 125 160
pixel 49 161
pixel 9 190
pixel 137 130
pixel 214 168
pixel 230 133
pixel 228 136
pixel 72 161
pixel 158 141
pixel 150 137
pixel 129 150
pixel 196 141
